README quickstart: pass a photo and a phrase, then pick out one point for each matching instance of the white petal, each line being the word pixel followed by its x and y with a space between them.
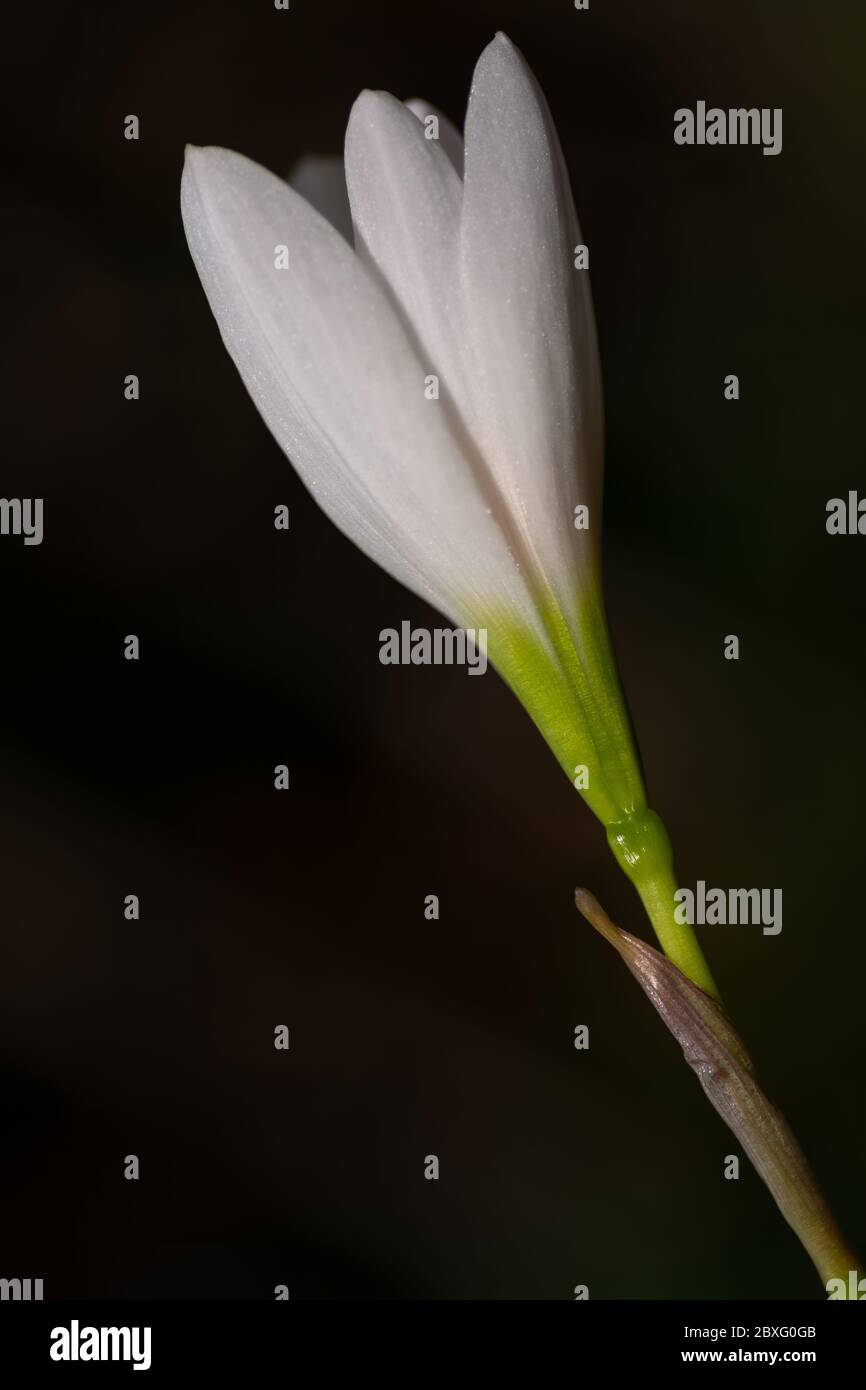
pixel 406 201
pixel 529 317
pixel 406 196
pixel 449 136
pixel 321 180
pixel 327 362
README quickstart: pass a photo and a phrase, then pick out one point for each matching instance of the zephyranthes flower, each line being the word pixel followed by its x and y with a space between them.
pixel 463 269
pixel 457 270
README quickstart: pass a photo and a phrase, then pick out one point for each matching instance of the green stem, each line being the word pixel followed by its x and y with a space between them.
pixel 643 851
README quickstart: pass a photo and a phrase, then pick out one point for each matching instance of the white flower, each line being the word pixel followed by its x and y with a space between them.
pixel 463 267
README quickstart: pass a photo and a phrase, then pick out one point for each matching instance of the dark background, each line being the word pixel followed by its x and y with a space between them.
pixel 408 1037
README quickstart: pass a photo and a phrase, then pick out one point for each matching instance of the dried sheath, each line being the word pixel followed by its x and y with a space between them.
pixel 714 1050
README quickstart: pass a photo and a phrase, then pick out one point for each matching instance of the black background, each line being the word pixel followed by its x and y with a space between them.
pixel 408 1037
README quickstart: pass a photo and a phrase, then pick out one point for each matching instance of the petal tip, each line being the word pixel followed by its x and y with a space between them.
pixel 197 157
pixel 504 50
pixel 372 98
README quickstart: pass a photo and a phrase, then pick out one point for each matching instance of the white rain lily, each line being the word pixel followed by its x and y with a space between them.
pixel 455 260
pixel 460 265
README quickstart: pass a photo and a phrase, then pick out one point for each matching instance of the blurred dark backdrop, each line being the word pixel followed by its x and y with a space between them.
pixel 408 1037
